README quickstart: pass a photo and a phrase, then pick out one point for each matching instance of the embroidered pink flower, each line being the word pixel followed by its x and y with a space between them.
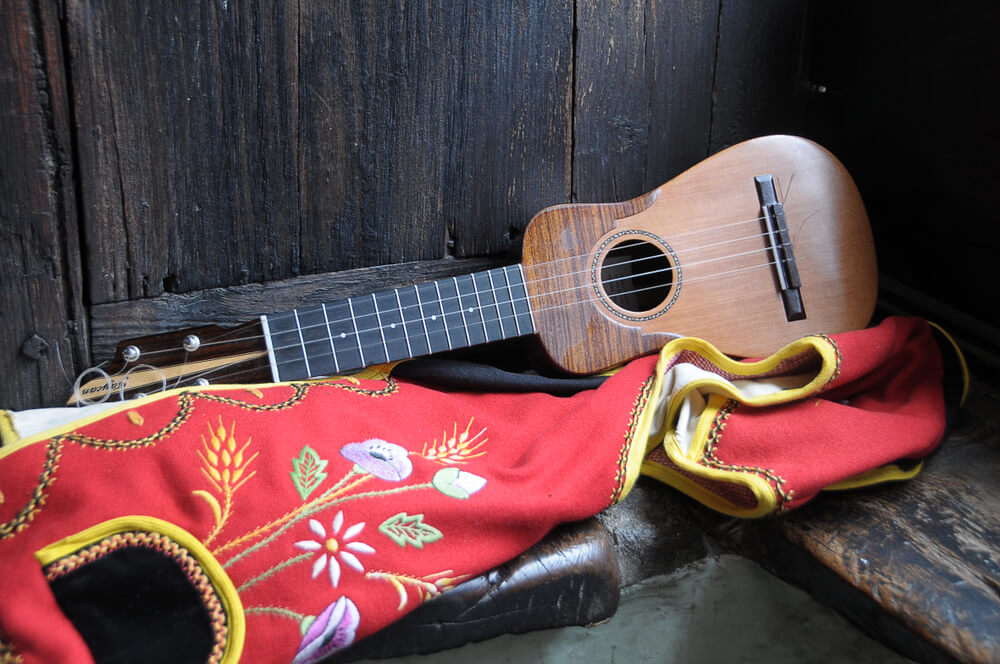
pixel 380 458
pixel 334 547
pixel 332 630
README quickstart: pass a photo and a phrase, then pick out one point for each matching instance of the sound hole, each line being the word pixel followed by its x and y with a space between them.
pixel 637 275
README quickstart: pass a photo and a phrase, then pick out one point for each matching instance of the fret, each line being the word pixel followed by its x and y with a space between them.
pixel 302 342
pixel 316 342
pixel 505 311
pixel 519 299
pixel 433 317
pixel 369 331
pixel 487 307
pixel 454 323
pixel 413 322
pixel 329 333
pixel 357 334
pixel 391 321
pixel 286 347
pixel 342 330
pixel 406 335
pixel 378 323
pixel 471 309
pixel 447 334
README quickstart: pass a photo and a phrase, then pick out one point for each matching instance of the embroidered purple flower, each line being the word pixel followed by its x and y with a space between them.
pixel 380 458
pixel 335 546
pixel 456 483
pixel 332 630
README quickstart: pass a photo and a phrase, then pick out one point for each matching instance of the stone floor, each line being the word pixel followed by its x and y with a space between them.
pixel 722 609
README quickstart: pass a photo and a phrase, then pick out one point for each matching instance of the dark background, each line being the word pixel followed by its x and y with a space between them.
pixel 175 163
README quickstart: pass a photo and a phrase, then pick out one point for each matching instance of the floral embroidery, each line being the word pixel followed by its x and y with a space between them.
pixel 404 529
pixel 456 483
pixel 332 630
pixel 308 471
pixel 332 548
pixel 458 448
pixel 333 545
pixel 380 458
pixel 224 466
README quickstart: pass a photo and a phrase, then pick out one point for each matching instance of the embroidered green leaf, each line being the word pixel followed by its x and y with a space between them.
pixel 404 529
pixel 308 471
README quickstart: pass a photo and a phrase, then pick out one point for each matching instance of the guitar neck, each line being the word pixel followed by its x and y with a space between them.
pixel 334 338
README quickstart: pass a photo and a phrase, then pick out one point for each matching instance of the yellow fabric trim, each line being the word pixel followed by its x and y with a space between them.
pixel 758 486
pixel 212 568
pixel 963 366
pixel 889 473
pixel 639 444
pixel 817 344
pixel 722 391
pixel 8 436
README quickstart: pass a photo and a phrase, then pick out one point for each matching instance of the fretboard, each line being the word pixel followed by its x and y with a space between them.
pixel 335 338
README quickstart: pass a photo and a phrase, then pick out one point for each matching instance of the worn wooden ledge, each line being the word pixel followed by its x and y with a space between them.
pixel 915 564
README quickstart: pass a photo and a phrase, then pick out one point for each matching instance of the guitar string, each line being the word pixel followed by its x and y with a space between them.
pixel 188 379
pixel 619 247
pixel 223 339
pixel 500 317
pixel 494 305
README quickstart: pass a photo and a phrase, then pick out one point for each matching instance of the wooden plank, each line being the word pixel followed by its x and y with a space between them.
pixel 40 281
pixel 113 322
pixel 442 128
pixel 186 114
pixel 759 70
pixel 917 563
pixel 643 99
pixel 509 138
pixel 244 142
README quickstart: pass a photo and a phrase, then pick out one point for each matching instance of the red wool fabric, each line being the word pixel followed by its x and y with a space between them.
pixel 331 508
pixel 859 403
pixel 885 404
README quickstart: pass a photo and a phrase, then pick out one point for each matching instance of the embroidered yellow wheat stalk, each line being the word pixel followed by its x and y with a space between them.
pixel 427 587
pixel 225 467
pixel 456 449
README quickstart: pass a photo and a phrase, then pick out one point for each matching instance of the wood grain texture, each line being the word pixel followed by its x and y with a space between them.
pixel 760 70
pixel 643 95
pixel 187 117
pixel 40 280
pixel 227 143
pixel 917 564
pixel 724 285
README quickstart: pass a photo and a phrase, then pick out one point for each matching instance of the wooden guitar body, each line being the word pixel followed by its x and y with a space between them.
pixel 700 260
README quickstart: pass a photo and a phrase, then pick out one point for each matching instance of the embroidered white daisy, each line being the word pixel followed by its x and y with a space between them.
pixel 335 546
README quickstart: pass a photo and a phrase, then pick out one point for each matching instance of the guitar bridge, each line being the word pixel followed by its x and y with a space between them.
pixel 780 246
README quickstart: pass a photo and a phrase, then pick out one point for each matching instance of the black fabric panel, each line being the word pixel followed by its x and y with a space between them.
pixel 136 605
pixel 463 376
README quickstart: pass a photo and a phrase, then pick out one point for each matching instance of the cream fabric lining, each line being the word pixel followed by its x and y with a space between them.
pixel 693 403
pixel 27 423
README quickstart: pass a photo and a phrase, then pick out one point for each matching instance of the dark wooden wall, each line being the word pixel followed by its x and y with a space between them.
pixel 154 153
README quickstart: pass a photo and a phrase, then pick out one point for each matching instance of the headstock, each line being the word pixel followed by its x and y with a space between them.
pixel 195 356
